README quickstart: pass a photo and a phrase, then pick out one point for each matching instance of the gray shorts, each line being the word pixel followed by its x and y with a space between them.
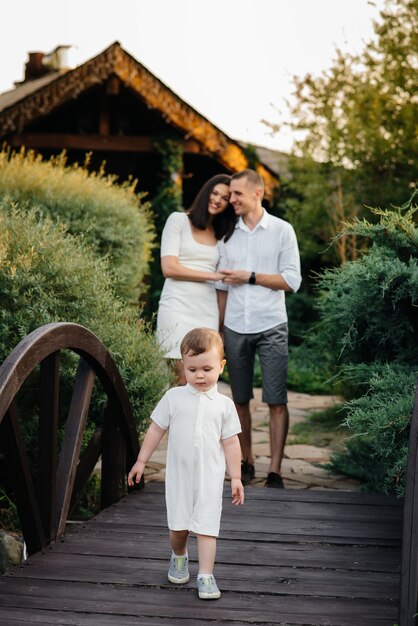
pixel 272 348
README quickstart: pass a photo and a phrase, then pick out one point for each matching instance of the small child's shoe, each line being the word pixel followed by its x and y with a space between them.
pixel 207 588
pixel 178 572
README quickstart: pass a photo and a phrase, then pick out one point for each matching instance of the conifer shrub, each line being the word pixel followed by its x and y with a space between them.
pixel 368 331
pixel 111 217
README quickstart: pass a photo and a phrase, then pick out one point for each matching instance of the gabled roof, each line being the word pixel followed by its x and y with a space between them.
pixel 37 98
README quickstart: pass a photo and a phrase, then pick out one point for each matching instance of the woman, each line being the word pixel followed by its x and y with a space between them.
pixel 189 256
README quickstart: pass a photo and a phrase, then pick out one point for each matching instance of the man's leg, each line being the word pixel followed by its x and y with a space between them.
pixel 279 425
pixel 244 414
pixel 240 354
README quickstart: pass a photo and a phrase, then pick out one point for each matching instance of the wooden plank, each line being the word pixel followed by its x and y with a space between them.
pixel 162 602
pixel 146 572
pixel 115 567
pixel 230 531
pixel 298 555
pixel 26 617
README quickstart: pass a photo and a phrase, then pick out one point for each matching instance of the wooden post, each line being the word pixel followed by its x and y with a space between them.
pixel 48 441
pixel 21 480
pixel 408 607
pixel 113 485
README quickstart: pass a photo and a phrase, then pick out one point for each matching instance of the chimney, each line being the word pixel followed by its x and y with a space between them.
pixel 40 63
pixel 35 68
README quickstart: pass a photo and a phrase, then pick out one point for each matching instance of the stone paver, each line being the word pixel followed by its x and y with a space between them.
pixel 302 466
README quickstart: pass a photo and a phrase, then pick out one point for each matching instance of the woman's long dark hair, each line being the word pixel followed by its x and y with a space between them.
pixel 223 223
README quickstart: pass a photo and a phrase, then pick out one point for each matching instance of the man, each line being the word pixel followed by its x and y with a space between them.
pixel 260 262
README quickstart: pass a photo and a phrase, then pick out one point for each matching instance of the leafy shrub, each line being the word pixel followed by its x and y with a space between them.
pixel 377 453
pixel 368 330
pixel 47 275
pixel 110 217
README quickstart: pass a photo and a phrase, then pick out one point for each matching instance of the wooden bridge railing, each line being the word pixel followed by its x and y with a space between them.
pixel 408 611
pixel 44 503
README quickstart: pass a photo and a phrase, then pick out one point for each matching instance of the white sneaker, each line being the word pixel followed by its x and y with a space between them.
pixel 178 572
pixel 207 588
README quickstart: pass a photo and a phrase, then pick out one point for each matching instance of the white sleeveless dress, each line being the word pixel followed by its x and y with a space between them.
pixel 185 304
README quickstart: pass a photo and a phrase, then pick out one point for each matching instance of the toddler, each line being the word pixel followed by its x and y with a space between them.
pixel 203 430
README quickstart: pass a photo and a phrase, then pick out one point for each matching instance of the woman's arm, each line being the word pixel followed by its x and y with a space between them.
pixel 172 268
pixel 221 296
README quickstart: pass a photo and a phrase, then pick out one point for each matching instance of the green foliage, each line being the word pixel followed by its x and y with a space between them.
pixel 368 330
pixel 9 519
pixel 112 218
pixel 361 113
pixel 368 308
pixel 377 453
pixel 47 275
pixel 167 200
pixel 251 155
pixel 356 126
pixel 309 372
pixel 322 428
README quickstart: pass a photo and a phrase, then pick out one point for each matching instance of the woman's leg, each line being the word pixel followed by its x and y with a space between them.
pixel 178 540
pixel 206 549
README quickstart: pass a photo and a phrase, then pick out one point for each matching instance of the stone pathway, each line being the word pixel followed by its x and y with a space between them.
pixel 302 466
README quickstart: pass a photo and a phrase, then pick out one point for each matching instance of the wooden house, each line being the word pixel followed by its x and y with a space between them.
pixel 115 108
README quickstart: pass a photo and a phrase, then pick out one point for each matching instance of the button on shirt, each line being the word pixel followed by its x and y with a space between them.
pixel 270 248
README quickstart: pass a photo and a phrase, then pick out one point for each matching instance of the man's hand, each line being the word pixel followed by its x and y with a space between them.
pixel 236 277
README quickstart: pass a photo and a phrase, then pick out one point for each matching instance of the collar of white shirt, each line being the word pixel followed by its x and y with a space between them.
pixel 211 393
pixel 262 223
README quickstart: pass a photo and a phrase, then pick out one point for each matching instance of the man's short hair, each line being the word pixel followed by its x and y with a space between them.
pixel 252 176
pixel 201 340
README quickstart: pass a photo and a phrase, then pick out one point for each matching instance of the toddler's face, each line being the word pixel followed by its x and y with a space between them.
pixel 202 370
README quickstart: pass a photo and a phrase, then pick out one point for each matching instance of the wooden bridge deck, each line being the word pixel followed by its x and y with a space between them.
pixel 287 557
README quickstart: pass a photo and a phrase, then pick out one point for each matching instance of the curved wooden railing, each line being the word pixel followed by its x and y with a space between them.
pixel 44 503
pixel 408 611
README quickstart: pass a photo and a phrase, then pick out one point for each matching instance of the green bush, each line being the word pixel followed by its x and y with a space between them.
pixel 368 331
pixel 377 453
pixel 110 217
pixel 47 275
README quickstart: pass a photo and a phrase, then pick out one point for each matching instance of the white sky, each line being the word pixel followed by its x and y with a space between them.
pixel 232 60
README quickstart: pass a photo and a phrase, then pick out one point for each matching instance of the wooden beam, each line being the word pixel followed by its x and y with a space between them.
pixel 17 462
pixel 48 441
pixel 71 445
pixel 110 143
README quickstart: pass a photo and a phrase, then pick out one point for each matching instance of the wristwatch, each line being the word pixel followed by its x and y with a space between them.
pixel 251 279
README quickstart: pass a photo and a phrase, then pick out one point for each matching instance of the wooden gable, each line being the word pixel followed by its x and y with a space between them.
pixel 112 105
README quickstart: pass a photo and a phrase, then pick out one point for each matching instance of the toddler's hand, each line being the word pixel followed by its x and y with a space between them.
pixel 237 490
pixel 135 474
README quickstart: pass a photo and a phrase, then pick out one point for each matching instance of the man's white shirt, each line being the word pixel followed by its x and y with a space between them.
pixel 270 248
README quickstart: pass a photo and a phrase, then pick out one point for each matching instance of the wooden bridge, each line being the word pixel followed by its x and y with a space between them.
pixel 287 557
